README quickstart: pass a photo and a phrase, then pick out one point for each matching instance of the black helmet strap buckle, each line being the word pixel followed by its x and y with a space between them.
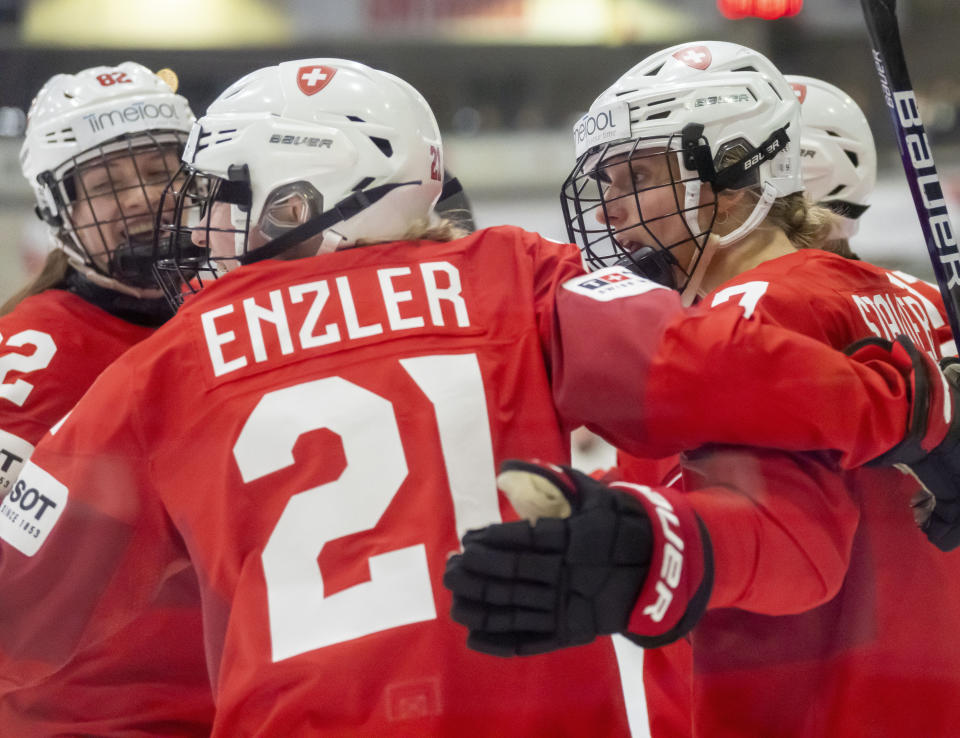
pixel 697 156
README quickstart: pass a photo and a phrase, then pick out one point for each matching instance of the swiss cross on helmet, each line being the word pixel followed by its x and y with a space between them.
pixel 304 157
pixel 314 77
pixel 702 113
pixel 99 148
pixel 697 57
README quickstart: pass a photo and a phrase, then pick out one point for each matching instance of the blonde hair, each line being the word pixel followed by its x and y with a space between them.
pixel 428 229
pixel 807 225
pixel 437 229
pixel 839 246
pixel 54 269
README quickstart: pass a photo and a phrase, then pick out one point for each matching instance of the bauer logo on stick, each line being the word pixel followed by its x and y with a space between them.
pixel 915 153
pixel 928 184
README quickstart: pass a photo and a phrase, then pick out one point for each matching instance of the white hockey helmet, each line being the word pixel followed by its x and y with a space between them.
pixel 78 121
pixel 837 152
pixel 700 101
pixel 358 147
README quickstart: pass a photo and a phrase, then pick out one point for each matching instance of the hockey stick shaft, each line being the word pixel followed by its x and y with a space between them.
pixel 915 153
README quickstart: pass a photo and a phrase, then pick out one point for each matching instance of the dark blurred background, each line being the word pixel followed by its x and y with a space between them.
pixel 506 79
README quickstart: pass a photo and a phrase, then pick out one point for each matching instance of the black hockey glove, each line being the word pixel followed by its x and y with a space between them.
pixel 623 560
pixel 930 451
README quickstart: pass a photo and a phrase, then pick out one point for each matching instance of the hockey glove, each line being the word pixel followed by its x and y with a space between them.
pixel 624 559
pixel 930 450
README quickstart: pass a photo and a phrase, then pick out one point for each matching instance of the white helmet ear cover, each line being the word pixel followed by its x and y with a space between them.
pixel 697 156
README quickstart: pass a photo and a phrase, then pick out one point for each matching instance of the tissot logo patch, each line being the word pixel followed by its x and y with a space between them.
pixel 314 78
pixel 698 57
pixel 610 284
pixel 31 509
pixel 14 451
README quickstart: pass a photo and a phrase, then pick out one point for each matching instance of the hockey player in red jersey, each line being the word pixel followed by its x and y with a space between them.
pixel 100 147
pixel 321 422
pixel 839 161
pixel 830 613
pixel 839 169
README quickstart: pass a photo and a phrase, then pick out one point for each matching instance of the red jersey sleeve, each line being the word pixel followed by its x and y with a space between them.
pixel 773 517
pixel 655 379
pixel 84 551
pixel 52 347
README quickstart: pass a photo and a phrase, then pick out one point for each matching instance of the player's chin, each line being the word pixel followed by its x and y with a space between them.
pixel 629 246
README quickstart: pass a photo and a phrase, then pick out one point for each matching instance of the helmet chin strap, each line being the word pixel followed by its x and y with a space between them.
pixel 760 210
pixel 691 292
pixel 343 210
pixel 707 245
pixel 331 241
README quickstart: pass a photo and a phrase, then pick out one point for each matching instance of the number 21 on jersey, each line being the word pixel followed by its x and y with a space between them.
pixel 399 591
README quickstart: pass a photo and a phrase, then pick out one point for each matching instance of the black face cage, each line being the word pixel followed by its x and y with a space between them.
pixel 106 202
pixel 181 266
pixel 587 200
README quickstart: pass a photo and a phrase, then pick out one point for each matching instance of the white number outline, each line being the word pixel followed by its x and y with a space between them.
pixel 19 390
pixel 750 294
pixel 399 591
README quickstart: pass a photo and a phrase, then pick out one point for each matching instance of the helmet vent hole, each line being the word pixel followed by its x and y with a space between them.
pixel 835 190
pixel 64 135
pixel 657 116
pixel 744 69
pixel 362 183
pixel 853 158
pixel 384 146
pixel 356 119
pixel 653 72
pixel 201 143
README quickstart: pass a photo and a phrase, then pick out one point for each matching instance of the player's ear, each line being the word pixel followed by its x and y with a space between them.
pixel 733 206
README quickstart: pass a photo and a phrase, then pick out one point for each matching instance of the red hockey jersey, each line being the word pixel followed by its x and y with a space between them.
pixel 313 437
pixel 832 615
pixel 52 347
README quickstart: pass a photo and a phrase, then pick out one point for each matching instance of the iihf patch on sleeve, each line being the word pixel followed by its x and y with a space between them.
pixel 31 509
pixel 611 283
